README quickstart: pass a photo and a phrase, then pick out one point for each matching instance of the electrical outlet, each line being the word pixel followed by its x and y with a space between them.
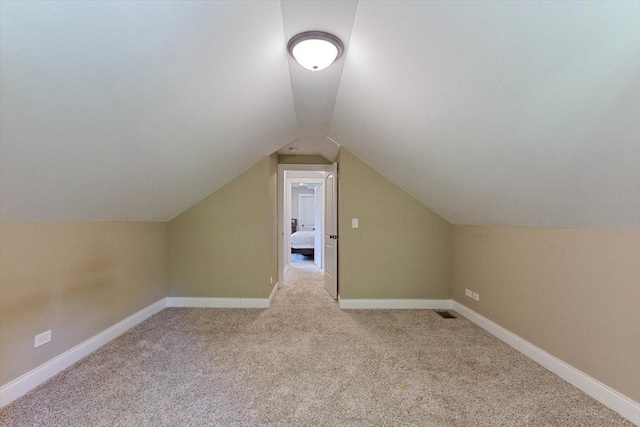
pixel 468 293
pixel 476 296
pixel 43 338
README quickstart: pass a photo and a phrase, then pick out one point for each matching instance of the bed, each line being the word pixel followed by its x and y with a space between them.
pixel 302 242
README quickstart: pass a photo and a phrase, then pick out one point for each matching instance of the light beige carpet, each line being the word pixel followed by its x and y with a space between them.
pixel 305 362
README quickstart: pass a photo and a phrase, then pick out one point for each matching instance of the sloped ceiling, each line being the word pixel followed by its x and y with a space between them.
pixel 510 113
pixel 136 110
pixel 513 113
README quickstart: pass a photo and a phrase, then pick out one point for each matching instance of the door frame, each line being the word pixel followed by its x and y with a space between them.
pixel 283 187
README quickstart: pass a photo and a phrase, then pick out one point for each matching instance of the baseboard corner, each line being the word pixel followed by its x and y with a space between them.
pixel 274 291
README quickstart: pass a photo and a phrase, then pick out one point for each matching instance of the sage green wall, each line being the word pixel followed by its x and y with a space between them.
pixel 302 159
pixel 573 293
pixel 402 249
pixel 76 279
pixel 224 246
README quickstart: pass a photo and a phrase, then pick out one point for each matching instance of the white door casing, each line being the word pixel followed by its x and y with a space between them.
pixel 331 231
pixel 319 225
pixel 287 220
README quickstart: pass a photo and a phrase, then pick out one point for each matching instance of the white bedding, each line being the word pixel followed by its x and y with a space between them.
pixel 302 240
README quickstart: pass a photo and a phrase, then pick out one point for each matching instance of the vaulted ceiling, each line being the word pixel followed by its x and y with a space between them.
pixel 513 113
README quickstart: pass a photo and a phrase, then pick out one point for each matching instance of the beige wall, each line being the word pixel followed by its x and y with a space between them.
pixel 302 159
pixel 402 249
pixel 224 246
pixel 76 279
pixel 273 217
pixel 573 293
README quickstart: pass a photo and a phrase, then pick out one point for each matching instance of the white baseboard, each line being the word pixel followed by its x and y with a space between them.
pixel 620 403
pixel 388 304
pixel 274 291
pixel 623 405
pixel 218 302
pixel 27 382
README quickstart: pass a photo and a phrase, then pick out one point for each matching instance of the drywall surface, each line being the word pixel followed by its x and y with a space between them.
pixel 402 249
pixel 302 159
pixel 273 216
pixel 75 279
pixel 575 293
pixel 224 245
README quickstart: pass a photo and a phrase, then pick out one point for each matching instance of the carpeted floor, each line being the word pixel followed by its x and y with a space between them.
pixel 305 362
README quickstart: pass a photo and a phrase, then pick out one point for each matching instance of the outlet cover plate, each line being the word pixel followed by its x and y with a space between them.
pixel 42 338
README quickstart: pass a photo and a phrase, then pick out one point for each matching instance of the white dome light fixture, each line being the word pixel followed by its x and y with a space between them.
pixel 315 50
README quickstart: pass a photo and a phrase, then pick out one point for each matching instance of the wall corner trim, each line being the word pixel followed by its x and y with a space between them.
pixel 395 304
pixel 27 382
pixel 218 302
pixel 612 399
pixel 274 291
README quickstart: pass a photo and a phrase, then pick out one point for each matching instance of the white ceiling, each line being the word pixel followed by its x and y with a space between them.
pixel 513 113
pixel 136 110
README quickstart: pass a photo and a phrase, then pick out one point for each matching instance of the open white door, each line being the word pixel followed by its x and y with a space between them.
pixel 331 231
pixel 306 212
pixel 317 231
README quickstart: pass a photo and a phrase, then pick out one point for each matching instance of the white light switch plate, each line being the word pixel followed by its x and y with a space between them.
pixel 468 293
pixel 354 222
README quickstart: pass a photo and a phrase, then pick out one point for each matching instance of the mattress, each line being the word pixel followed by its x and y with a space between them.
pixel 302 240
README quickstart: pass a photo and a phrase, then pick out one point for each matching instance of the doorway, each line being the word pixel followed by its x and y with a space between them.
pixel 303 240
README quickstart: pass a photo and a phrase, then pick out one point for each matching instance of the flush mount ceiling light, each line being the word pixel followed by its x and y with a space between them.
pixel 315 50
